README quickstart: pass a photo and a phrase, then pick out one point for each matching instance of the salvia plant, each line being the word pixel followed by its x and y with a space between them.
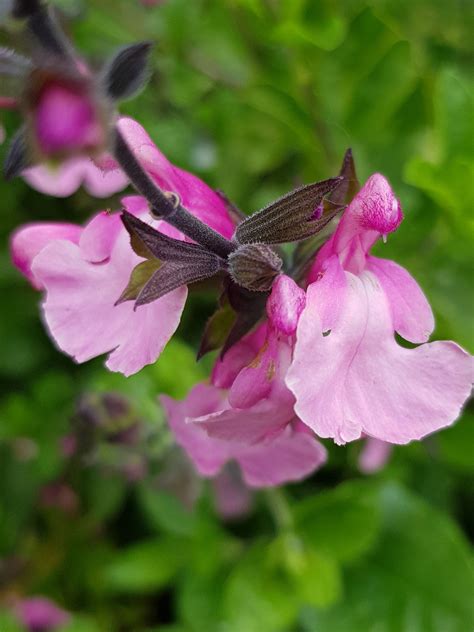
pixel 308 324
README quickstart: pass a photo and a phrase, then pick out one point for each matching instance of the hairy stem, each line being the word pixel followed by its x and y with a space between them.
pixel 163 206
pixel 44 29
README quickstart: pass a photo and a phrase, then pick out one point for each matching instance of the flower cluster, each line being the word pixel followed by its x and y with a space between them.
pixel 323 363
pixel 308 345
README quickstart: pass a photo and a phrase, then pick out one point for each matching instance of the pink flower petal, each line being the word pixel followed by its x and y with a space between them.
pixel 61 181
pixel 411 313
pixel 208 455
pixel 195 195
pixel 232 498
pixel 374 212
pixel 246 426
pixel 239 356
pixel 99 236
pixel 66 178
pixel 285 304
pixel 40 613
pixel 374 455
pixel 79 307
pixel 264 376
pixel 100 183
pixel 65 119
pixel 28 240
pixel 291 456
pixel 358 379
pixel 259 402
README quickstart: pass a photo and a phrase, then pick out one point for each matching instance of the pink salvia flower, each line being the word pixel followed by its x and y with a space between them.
pixel 83 278
pixel 39 614
pixel 101 177
pixel 252 420
pixel 85 270
pixel 349 375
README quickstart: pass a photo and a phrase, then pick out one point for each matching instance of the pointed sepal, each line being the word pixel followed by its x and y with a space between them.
pixel 349 186
pixel 17 158
pixel 174 275
pixel 182 263
pixel 140 276
pixel 293 217
pixel 127 72
pixel 148 242
pixel 217 329
pixel 340 197
pixel 250 308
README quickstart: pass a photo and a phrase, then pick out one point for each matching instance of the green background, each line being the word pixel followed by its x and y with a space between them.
pixel 256 97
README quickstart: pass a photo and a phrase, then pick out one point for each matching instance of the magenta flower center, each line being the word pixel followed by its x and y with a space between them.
pixel 65 120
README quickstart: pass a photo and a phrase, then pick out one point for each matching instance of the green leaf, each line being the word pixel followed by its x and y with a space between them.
pixel 324 31
pixel 257 599
pixel 419 577
pixel 8 623
pixel 374 104
pixel 145 567
pixel 165 512
pixel 315 578
pixel 81 624
pixel 177 371
pixel 454 102
pixel 105 495
pixel 200 602
pixel 341 523
pixel 455 443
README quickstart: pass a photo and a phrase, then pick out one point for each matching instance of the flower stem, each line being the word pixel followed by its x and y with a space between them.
pixel 279 508
pixel 163 206
pixel 44 29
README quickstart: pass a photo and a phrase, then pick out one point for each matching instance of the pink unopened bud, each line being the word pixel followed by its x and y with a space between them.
pixel 65 120
pixel 285 305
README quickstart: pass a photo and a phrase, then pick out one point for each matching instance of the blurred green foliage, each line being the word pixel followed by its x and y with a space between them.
pixel 257 97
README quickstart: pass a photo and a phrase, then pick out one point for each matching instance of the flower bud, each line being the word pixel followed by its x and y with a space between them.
pixel 254 266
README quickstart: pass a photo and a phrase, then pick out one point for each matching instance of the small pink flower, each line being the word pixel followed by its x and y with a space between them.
pixel 349 375
pixel 85 270
pixel 247 415
pixel 39 614
pixel 101 177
